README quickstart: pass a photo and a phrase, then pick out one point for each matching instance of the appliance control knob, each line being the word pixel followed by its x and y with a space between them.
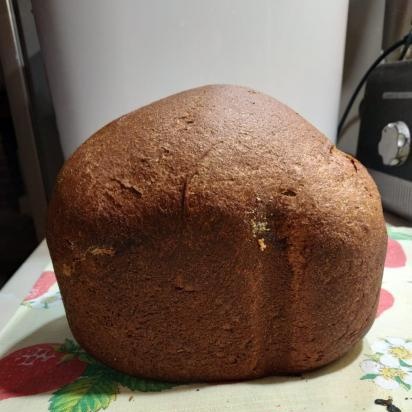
pixel 394 145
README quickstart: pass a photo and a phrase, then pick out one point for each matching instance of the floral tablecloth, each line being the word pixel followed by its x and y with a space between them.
pixel 42 367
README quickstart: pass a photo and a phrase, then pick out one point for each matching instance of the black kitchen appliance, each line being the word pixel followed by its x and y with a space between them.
pixel 385 134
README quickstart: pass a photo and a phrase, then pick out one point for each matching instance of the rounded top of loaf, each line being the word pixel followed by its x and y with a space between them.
pixel 207 154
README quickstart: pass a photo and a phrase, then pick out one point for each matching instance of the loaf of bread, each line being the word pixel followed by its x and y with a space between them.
pixel 216 235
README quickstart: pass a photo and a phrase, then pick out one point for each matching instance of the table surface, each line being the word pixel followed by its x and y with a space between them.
pixel 13 292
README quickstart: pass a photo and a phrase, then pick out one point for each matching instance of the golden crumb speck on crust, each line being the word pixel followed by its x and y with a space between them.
pixel 66 270
pixel 262 244
pixel 259 227
pixel 102 251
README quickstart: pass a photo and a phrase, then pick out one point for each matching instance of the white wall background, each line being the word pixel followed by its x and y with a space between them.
pixel 106 58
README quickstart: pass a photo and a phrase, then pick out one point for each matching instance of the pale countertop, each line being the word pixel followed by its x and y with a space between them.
pixel 18 286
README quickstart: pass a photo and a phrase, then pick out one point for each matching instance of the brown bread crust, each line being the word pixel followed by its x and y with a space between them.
pixel 216 235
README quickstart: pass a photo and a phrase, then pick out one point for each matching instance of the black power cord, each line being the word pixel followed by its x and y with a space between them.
pixel 405 41
pixel 406 46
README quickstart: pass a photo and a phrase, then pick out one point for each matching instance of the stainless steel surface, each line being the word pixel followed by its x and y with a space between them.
pixel 13 70
pixel 397 22
pixel 396 193
pixel 42 112
pixel 394 145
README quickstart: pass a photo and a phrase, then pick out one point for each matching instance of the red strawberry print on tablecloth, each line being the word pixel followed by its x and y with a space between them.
pixel 42 285
pixel 395 256
pixel 45 292
pixel 78 381
pixel 386 300
pixel 37 369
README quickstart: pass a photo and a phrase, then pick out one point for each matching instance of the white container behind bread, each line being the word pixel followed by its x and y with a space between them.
pixel 105 58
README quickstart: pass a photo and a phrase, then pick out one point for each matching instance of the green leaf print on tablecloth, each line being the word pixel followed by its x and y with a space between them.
pixel 98 385
pixel 399 234
pixel 92 392
pixel 79 382
pixel 141 385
